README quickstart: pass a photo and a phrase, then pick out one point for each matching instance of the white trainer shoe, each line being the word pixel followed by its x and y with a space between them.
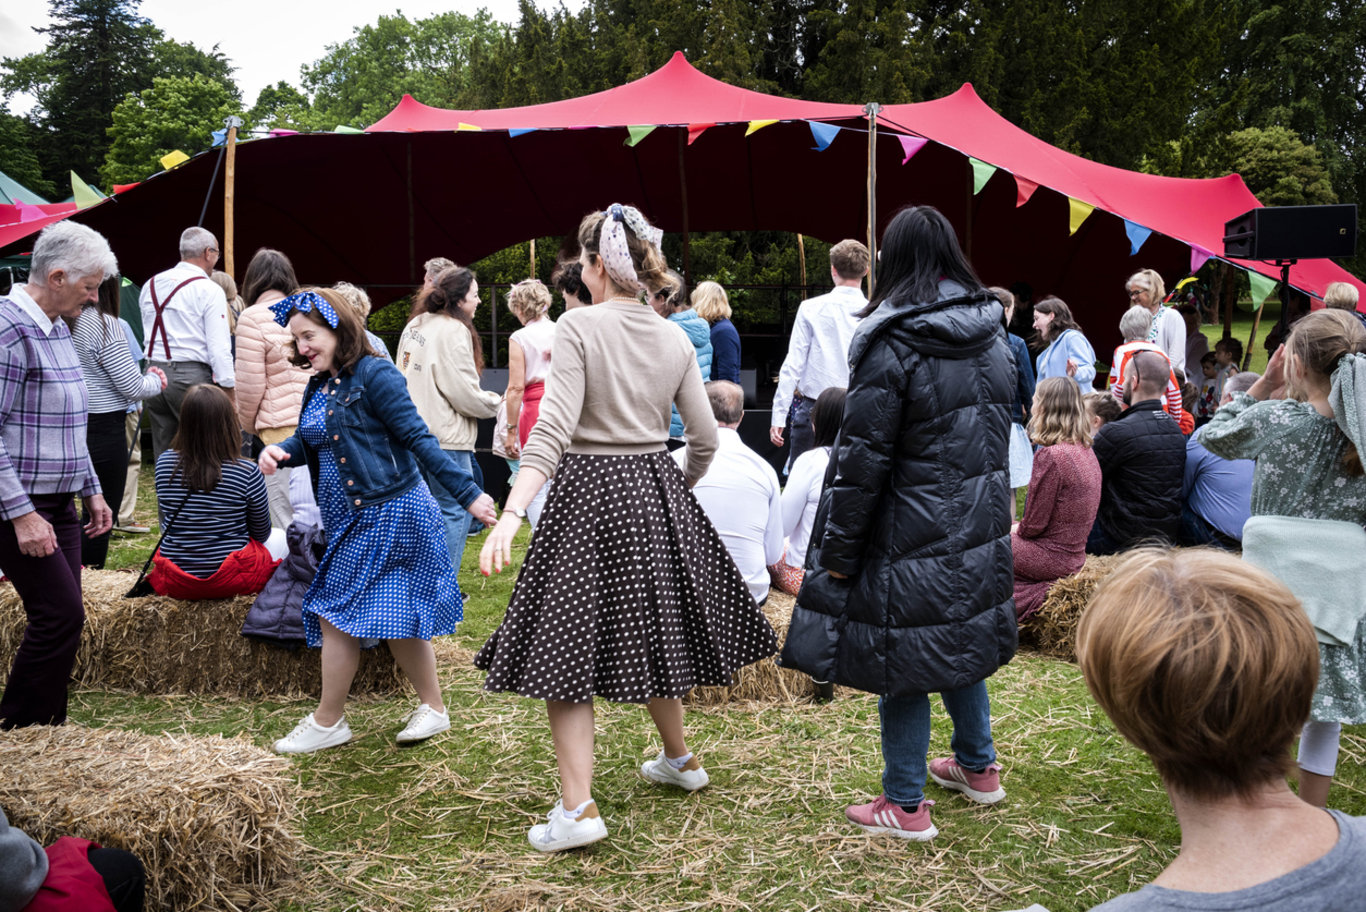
pixel 308 736
pixel 424 722
pixel 560 833
pixel 691 777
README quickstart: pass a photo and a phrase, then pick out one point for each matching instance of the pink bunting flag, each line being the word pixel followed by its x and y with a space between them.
pixel 283 132
pixel 697 129
pixel 29 213
pixel 911 145
pixel 1024 189
pixel 1199 256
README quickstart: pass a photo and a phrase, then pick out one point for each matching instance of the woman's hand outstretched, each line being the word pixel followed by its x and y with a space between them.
pixel 497 550
pixel 270 459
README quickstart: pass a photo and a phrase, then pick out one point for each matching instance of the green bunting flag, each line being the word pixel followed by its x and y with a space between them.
pixel 1262 287
pixel 638 133
pixel 81 193
pixel 981 173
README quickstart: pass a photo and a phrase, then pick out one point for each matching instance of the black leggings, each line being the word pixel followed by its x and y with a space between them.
pixel 108 445
pixel 123 877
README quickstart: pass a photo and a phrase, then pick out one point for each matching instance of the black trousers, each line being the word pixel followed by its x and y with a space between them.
pixel 123 877
pixel 108 445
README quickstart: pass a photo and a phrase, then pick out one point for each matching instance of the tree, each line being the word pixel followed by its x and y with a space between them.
pixel 177 112
pixel 1280 168
pixel 17 139
pixel 281 107
pixel 180 58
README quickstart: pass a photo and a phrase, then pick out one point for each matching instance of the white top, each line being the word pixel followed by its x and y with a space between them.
pixel 196 321
pixel 19 295
pixel 818 354
pixel 536 339
pixel 800 497
pixel 740 495
pixel 1169 332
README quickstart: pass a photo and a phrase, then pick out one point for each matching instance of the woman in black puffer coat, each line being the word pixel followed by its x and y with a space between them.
pixel 909 574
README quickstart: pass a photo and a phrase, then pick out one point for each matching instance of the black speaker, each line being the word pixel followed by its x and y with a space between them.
pixel 1292 233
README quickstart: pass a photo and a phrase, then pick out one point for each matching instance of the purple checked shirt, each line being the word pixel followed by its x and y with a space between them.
pixel 42 409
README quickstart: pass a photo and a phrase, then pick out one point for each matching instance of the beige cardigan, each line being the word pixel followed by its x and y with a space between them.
pixel 270 390
pixel 436 357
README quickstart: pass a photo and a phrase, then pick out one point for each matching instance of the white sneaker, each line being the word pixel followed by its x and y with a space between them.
pixel 691 777
pixel 308 736
pixel 561 833
pixel 424 722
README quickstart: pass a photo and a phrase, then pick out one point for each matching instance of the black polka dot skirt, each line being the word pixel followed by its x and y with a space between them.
pixel 627 592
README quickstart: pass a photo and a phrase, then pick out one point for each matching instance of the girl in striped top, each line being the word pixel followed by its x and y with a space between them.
pixel 216 505
pixel 112 381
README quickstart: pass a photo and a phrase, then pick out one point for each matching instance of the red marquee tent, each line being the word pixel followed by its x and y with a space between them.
pixel 424 182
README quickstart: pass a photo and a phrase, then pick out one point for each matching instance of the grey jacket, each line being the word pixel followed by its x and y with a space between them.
pixel 23 867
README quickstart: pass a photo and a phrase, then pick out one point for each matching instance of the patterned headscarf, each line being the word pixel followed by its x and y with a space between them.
pixel 303 302
pixel 614 249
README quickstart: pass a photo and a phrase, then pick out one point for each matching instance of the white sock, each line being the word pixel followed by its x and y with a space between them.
pixel 574 814
pixel 679 762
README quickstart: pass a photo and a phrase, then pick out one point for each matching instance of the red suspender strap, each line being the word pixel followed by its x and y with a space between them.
pixel 160 308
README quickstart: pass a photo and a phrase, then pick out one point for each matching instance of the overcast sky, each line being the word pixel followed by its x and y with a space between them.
pixel 267 40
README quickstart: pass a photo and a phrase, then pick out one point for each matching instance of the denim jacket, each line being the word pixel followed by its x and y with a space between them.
pixel 378 438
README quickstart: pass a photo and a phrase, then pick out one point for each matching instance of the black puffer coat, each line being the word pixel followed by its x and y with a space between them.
pixel 917 507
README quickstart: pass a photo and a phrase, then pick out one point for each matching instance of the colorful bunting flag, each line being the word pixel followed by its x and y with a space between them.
pixel 28 213
pixel 824 134
pixel 171 159
pixel 220 137
pixel 697 129
pixel 1138 235
pixel 981 173
pixel 1078 212
pixel 120 188
pixel 638 133
pixel 911 145
pixel 756 125
pixel 343 128
pixel 81 194
pixel 463 127
pixel 1199 256
pixel 521 131
pixel 1262 287
pixel 282 132
pixel 1024 189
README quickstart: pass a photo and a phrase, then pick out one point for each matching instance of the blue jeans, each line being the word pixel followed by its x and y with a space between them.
pixel 457 518
pixel 906 738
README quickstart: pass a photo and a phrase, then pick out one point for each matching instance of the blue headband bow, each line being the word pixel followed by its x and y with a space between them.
pixel 303 302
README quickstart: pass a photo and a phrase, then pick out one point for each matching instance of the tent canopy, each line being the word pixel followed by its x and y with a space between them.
pixel 425 182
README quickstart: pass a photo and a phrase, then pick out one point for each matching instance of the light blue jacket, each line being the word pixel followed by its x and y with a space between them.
pixel 1052 361
pixel 698 332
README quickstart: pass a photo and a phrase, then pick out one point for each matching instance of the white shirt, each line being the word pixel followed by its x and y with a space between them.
pixel 196 321
pixel 1170 335
pixel 740 496
pixel 536 339
pixel 20 296
pixel 800 497
pixel 818 355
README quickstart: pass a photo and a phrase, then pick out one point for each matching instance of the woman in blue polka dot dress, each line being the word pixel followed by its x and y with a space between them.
pixel 386 573
pixel 627 592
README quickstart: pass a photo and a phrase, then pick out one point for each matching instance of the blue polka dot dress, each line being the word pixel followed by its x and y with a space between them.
pixel 386 573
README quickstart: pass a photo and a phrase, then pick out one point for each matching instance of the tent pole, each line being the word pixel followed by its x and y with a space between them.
pixel 412 232
pixel 683 191
pixel 229 188
pixel 967 213
pixel 532 273
pixel 871 109
pixel 1247 352
pixel 801 259
pixel 1229 293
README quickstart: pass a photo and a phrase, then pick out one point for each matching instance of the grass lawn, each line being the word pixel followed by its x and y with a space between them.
pixel 441 826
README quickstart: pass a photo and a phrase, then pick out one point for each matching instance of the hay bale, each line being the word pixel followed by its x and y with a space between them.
pixel 160 645
pixel 1053 629
pixel 214 821
pixel 765 681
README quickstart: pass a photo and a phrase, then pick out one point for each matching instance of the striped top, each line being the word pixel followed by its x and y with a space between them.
pixel 212 524
pixel 112 378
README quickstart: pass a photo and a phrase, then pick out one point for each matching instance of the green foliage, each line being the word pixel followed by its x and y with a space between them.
pixel 1279 168
pixel 180 58
pixel 177 112
pixel 282 107
pixel 18 137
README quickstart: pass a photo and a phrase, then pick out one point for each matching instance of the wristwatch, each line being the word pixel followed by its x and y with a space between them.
pixel 517 512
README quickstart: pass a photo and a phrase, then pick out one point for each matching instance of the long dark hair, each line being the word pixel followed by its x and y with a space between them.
pixel 447 291
pixel 827 415
pixel 919 248
pixel 209 436
pixel 269 270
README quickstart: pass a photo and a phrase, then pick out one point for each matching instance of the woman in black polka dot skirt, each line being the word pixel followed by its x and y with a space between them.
pixel 627 592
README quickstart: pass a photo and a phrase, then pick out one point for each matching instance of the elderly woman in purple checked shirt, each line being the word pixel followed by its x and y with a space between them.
pixel 44 463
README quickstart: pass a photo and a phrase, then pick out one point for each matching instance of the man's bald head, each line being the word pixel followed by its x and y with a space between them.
pixel 1147 376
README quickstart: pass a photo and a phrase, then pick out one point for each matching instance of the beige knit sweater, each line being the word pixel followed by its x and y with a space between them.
pixel 270 390
pixel 616 370
pixel 436 357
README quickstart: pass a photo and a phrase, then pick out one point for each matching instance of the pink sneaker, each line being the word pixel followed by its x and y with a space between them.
pixel 881 816
pixel 983 787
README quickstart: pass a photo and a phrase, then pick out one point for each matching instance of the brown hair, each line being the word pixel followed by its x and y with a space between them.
pixel 646 259
pixel 1062 317
pixel 568 278
pixel 529 299
pixel 352 343
pixel 850 259
pixel 269 270
pixel 209 435
pixel 1058 415
pixel 1317 343
pixel 1205 663
pixel 710 301
pixel 449 288
pixel 1102 405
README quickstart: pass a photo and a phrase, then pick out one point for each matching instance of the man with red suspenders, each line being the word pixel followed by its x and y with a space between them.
pixel 186 321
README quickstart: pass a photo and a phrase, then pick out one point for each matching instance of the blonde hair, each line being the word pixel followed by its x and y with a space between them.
pixel 1152 281
pixel 710 301
pixel 1316 344
pixel 1205 663
pixel 529 299
pixel 1341 296
pixel 1058 415
pixel 355 296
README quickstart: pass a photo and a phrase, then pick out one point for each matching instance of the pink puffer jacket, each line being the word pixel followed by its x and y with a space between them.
pixel 270 390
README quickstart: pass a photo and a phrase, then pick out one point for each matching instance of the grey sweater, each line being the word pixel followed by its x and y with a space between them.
pixel 23 867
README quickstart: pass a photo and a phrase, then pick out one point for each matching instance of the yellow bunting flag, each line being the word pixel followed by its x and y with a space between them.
pixel 462 126
pixel 171 159
pixel 82 194
pixel 756 125
pixel 1079 213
